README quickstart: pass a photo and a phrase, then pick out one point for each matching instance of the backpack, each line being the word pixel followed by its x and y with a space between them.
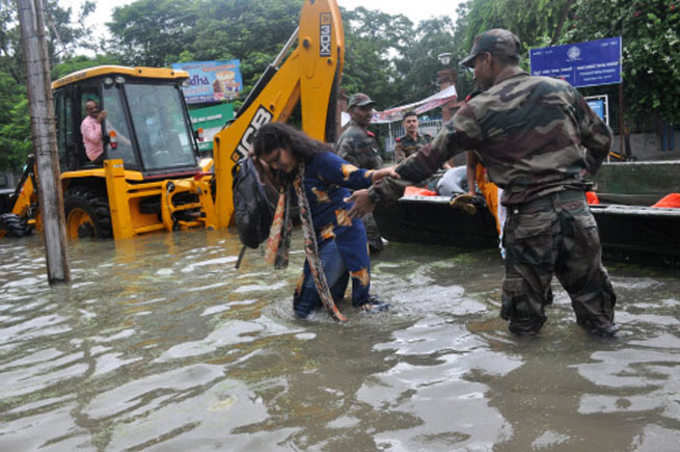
pixel 254 203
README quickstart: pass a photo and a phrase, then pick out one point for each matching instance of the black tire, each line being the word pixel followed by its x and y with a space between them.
pixel 87 214
pixel 14 225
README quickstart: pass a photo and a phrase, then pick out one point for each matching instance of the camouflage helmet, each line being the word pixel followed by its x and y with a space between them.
pixel 496 41
pixel 359 100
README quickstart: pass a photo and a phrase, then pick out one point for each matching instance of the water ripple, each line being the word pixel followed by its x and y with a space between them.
pixel 159 343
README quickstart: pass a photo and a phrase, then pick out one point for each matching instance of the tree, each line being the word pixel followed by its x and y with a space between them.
pixel 373 42
pixel 63 38
pixel 418 65
pixel 538 23
pixel 15 124
pixel 159 33
pixel 152 32
pixel 252 32
pixel 80 62
pixel 650 31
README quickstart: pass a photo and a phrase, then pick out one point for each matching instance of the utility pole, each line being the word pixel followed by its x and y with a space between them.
pixel 43 134
pixel 445 78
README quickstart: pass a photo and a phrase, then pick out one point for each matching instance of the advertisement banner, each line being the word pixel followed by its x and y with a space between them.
pixel 581 64
pixel 424 105
pixel 211 81
pixel 211 120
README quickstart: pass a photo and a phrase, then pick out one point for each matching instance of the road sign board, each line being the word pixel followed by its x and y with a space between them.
pixel 581 64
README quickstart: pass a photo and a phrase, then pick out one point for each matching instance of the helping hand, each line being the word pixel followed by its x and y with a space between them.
pixel 362 204
pixel 384 172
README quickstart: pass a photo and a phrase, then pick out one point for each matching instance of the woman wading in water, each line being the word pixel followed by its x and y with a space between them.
pixel 322 182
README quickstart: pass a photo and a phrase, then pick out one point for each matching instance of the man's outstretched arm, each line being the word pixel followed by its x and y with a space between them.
pixel 414 169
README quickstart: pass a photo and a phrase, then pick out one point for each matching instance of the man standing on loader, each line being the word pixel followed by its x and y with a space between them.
pixel 91 129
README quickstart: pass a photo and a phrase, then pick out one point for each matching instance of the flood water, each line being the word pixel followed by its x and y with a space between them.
pixel 160 344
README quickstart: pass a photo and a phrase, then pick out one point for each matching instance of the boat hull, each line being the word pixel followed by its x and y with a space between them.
pixel 636 234
pixel 431 220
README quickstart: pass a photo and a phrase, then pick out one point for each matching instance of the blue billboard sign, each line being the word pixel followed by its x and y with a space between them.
pixel 589 63
pixel 211 81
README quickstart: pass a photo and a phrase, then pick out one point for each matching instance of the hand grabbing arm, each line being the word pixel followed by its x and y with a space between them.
pixel 362 203
pixel 384 172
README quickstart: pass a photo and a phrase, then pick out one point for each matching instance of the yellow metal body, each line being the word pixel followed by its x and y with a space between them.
pixel 125 190
pixel 146 72
pixel 27 196
pixel 127 219
pixel 307 75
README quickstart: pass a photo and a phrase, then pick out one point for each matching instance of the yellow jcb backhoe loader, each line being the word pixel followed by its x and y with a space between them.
pixel 151 178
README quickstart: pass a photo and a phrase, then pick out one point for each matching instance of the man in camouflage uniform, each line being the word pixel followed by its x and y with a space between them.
pixel 359 147
pixel 357 144
pixel 538 138
pixel 409 143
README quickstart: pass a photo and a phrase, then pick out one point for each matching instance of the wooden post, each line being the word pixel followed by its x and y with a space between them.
pixel 43 134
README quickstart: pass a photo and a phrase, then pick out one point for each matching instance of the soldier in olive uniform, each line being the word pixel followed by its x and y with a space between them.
pixel 358 146
pixel 412 141
pixel 537 138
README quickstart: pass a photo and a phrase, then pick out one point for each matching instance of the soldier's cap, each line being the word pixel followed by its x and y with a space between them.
pixel 359 100
pixel 496 41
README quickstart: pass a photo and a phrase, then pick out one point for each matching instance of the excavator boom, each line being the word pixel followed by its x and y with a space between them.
pixel 310 74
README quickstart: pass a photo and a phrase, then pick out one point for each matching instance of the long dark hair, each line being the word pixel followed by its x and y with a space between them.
pixel 279 135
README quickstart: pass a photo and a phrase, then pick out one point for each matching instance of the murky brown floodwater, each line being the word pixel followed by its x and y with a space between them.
pixel 160 344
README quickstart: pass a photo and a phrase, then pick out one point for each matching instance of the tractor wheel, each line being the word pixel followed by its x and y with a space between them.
pixel 87 214
pixel 14 225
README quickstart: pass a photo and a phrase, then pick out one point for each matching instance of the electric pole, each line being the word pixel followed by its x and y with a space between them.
pixel 43 134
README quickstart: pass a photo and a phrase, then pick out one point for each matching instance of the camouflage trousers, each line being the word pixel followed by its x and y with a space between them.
pixel 554 235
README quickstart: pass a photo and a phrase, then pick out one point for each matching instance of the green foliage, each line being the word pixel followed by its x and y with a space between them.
pixel 393 60
pixel 418 65
pixel 650 31
pixel 153 32
pixel 651 38
pixel 82 62
pixel 387 56
pixel 10 48
pixel 63 37
pixel 538 23
pixel 159 33
pixel 378 45
pixel 15 123
pixel 368 67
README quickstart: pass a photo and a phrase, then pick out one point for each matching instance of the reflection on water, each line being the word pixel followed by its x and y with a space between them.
pixel 160 344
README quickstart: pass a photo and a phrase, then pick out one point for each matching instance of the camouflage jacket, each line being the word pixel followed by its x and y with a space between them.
pixel 359 147
pixel 407 146
pixel 535 136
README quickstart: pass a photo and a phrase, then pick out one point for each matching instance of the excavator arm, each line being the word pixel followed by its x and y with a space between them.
pixel 309 74
pixel 21 217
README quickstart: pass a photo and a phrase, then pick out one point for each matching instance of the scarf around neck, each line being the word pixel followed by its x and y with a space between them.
pixel 278 243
